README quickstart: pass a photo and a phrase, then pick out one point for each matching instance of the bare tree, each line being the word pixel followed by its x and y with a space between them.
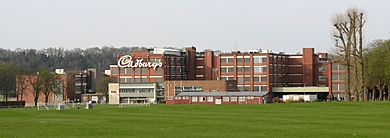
pixel 21 85
pixel 348 35
pixel 36 83
pixel 49 80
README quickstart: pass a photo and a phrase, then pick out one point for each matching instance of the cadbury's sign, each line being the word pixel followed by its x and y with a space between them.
pixel 127 62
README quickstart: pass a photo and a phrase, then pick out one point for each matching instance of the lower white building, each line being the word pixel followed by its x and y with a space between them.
pixel 130 93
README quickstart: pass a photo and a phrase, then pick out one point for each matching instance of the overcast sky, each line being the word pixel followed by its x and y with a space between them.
pixel 279 25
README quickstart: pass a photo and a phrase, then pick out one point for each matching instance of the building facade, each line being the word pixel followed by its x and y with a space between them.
pixel 256 70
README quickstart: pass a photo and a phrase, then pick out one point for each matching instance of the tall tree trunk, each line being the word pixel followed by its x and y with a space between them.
pixel 46 99
pixel 373 94
pixel 380 94
pixel 387 92
pixel 36 101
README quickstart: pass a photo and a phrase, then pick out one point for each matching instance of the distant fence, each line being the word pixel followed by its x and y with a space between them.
pixel 12 104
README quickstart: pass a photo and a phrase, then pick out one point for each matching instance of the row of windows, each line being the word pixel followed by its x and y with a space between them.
pixel 224 99
pixel 135 70
pixel 131 80
pixel 247 79
pixel 256 69
pixel 240 60
pixel 262 88
pixel 188 89
pixel 136 90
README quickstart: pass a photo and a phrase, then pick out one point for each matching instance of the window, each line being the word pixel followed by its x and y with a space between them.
pixel 113 91
pixel 158 80
pixel 202 99
pixel 144 80
pixel 259 59
pixel 264 59
pixel 194 99
pixel 129 71
pixel 128 80
pixel 260 78
pixel 137 79
pixel 178 98
pixel 240 88
pixel 240 69
pixel 225 99
pixel 158 70
pixel 321 69
pixel 240 80
pixel 263 88
pixel 321 78
pixel 247 88
pixel 242 99
pixel 226 60
pixel 223 69
pixel 122 71
pixel 137 70
pixel 114 71
pixel 247 79
pixel 256 88
pixel 263 78
pixel 247 59
pixel 239 60
pixel 230 69
pixel 144 70
pixel 233 99
pixel 210 99
pixel 121 80
pixel 230 60
pixel 247 69
pixel 338 87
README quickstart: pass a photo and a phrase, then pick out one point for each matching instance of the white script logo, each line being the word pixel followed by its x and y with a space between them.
pixel 127 61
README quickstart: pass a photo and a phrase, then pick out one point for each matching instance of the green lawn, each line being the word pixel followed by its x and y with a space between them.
pixel 271 120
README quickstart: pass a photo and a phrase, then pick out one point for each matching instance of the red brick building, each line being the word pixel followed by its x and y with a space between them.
pixel 255 70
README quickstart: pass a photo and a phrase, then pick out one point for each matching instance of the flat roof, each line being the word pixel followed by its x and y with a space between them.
pixel 246 93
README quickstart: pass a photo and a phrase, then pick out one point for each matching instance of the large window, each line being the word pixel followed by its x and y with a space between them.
pixel 129 71
pixel 259 59
pixel 247 69
pixel 263 88
pixel 247 79
pixel 257 69
pixel 240 69
pixel 144 70
pixel 136 90
pixel 247 59
pixel 225 99
pixel 321 78
pixel 239 60
pixel 210 99
pixel 226 60
pixel 137 70
pixel 260 79
pixel 240 80
pixel 114 71
pixel 242 99
pixel 227 69
pixel 194 99
pixel 321 69
pixel 233 99
pixel 189 89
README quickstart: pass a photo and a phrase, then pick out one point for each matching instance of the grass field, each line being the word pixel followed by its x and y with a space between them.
pixel 271 120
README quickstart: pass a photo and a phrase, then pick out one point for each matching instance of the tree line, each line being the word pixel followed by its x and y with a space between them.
pixel 15 64
pixel 367 66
